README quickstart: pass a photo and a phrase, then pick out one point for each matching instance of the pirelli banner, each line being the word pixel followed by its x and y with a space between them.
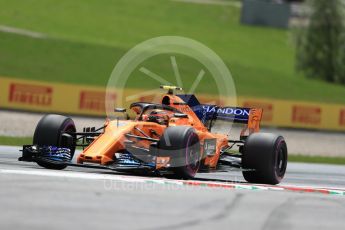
pixel 86 100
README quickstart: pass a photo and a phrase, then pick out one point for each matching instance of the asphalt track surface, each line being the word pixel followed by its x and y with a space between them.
pixel 78 198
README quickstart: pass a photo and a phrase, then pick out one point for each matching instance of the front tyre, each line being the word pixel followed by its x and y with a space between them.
pixel 181 144
pixel 266 155
pixel 49 132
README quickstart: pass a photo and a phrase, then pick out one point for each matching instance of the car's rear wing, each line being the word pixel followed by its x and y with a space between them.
pixel 249 116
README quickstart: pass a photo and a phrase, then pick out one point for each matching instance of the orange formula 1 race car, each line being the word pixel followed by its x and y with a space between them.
pixel 172 139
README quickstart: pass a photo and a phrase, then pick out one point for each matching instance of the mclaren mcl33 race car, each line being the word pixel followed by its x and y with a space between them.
pixel 172 139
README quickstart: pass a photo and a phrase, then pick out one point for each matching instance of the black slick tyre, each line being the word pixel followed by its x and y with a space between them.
pixel 181 144
pixel 49 131
pixel 266 155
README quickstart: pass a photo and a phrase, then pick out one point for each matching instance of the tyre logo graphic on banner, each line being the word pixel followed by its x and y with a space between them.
pixel 30 94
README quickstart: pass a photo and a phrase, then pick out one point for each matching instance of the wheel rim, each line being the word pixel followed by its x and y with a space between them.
pixel 281 162
pixel 69 129
pixel 192 157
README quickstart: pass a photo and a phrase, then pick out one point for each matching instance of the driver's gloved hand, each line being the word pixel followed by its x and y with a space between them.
pixel 153 119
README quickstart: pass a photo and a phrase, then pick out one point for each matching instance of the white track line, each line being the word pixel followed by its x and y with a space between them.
pixel 180 183
pixel 64 174
pixel 23 32
pixel 86 176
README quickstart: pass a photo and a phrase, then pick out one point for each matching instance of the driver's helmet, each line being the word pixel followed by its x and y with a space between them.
pixel 157 115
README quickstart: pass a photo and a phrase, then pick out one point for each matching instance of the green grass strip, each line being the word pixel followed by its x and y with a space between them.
pixel 317 159
pixel 15 141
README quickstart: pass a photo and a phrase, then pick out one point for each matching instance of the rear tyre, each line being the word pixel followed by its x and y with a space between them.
pixel 267 155
pixel 49 133
pixel 181 143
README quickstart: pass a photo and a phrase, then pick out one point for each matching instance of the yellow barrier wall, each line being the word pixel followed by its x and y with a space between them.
pixel 87 100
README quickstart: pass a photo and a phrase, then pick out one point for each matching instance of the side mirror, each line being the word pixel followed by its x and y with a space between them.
pixel 120 110
pixel 180 115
